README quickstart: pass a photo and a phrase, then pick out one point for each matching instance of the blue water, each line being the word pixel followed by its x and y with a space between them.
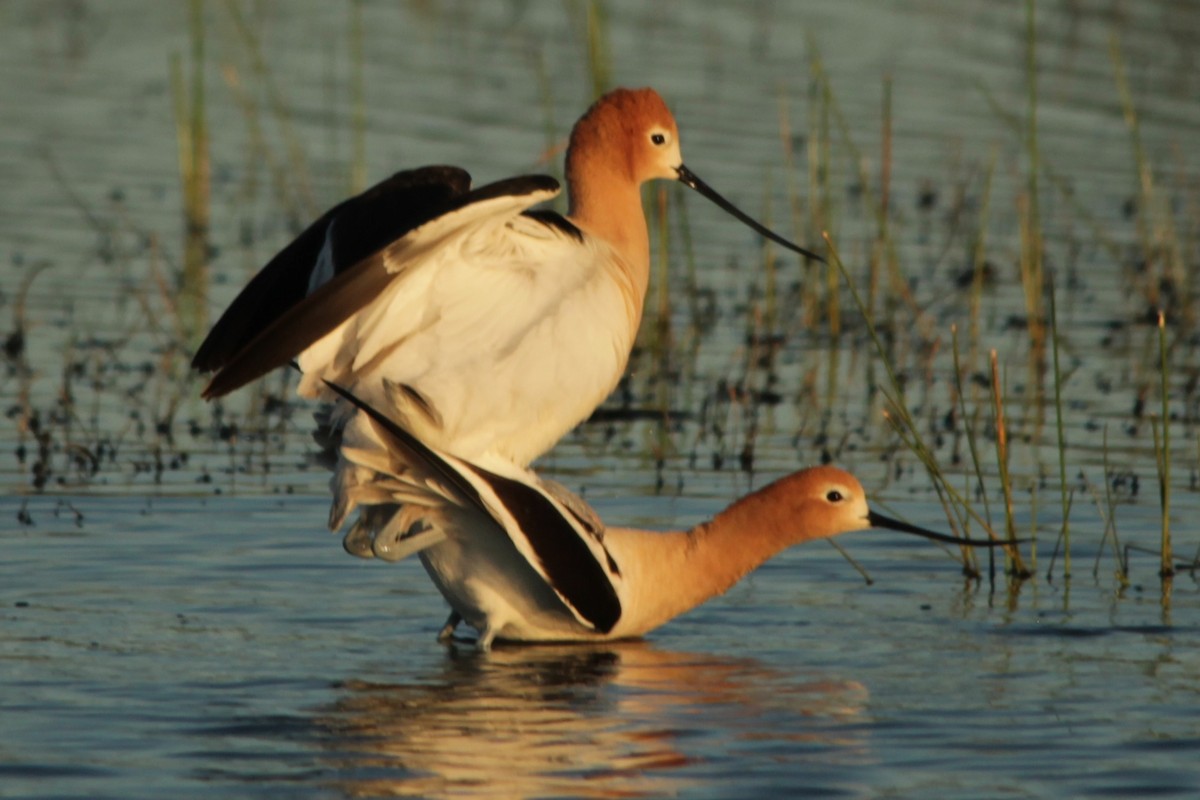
pixel 176 622
pixel 196 647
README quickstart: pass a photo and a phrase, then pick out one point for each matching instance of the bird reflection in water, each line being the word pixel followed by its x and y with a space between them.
pixel 623 719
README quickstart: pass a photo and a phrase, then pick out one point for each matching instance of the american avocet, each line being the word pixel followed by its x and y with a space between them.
pixel 517 563
pixel 487 329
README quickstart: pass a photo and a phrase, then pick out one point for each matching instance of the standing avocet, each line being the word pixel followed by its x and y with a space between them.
pixel 485 328
pixel 516 563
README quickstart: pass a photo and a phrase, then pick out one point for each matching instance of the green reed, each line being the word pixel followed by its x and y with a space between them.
pixel 1016 566
pixel 1067 193
pixel 883 229
pixel 979 252
pixel 958 509
pixel 818 169
pixel 1155 225
pixel 882 247
pixel 1110 524
pixel 293 181
pixel 787 150
pixel 1065 532
pixel 1163 453
pixel 770 272
pixel 1001 430
pixel 599 54
pixel 803 208
pixel 1031 139
pixel 969 428
pixel 191 132
pixel 1031 264
pixel 1195 564
pixel 1033 527
pixel 1033 286
pixel 358 99
pixel 878 207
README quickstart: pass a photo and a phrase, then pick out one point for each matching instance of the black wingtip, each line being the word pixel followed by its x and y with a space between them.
pixel 366 223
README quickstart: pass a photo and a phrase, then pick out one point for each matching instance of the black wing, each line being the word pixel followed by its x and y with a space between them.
pixel 365 224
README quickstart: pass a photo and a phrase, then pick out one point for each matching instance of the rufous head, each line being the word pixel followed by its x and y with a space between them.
pixel 629 131
pixel 827 501
pixel 823 501
pixel 629 136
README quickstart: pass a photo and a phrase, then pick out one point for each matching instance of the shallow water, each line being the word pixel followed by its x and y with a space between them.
pixel 174 621
pixel 144 655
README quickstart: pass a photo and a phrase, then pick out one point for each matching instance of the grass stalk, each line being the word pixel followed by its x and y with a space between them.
pixel 1157 243
pixel 1002 456
pixel 358 162
pixel 769 262
pixel 875 206
pixel 191 128
pixel 797 212
pixel 1064 492
pixel 599 53
pixel 969 427
pixel 904 424
pixel 1002 445
pixel 297 167
pixel 825 174
pixel 1032 278
pixel 1110 525
pixel 883 228
pixel 549 160
pixel 1068 194
pixel 979 252
pixel 1031 88
pixel 1164 453
pixel 854 563
pixel 813 161
pixel 1033 527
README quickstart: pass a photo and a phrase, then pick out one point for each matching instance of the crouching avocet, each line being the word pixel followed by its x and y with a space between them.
pixel 485 328
pixel 518 563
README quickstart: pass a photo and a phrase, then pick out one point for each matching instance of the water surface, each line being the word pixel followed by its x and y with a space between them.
pixel 174 621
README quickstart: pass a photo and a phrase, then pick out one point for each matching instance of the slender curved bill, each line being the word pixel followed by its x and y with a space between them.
pixel 880 521
pixel 692 181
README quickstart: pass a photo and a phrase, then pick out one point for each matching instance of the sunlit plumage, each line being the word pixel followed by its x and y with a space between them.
pixel 517 562
pixel 485 328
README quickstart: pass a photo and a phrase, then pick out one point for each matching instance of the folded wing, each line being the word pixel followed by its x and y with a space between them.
pixel 559 543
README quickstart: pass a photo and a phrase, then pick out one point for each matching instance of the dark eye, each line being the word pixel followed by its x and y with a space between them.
pixel 834 496
pixel 658 138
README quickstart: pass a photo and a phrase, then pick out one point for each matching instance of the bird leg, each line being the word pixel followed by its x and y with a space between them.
pixel 357 541
pixel 486 636
pixel 407 532
pixel 447 631
pixel 371 523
